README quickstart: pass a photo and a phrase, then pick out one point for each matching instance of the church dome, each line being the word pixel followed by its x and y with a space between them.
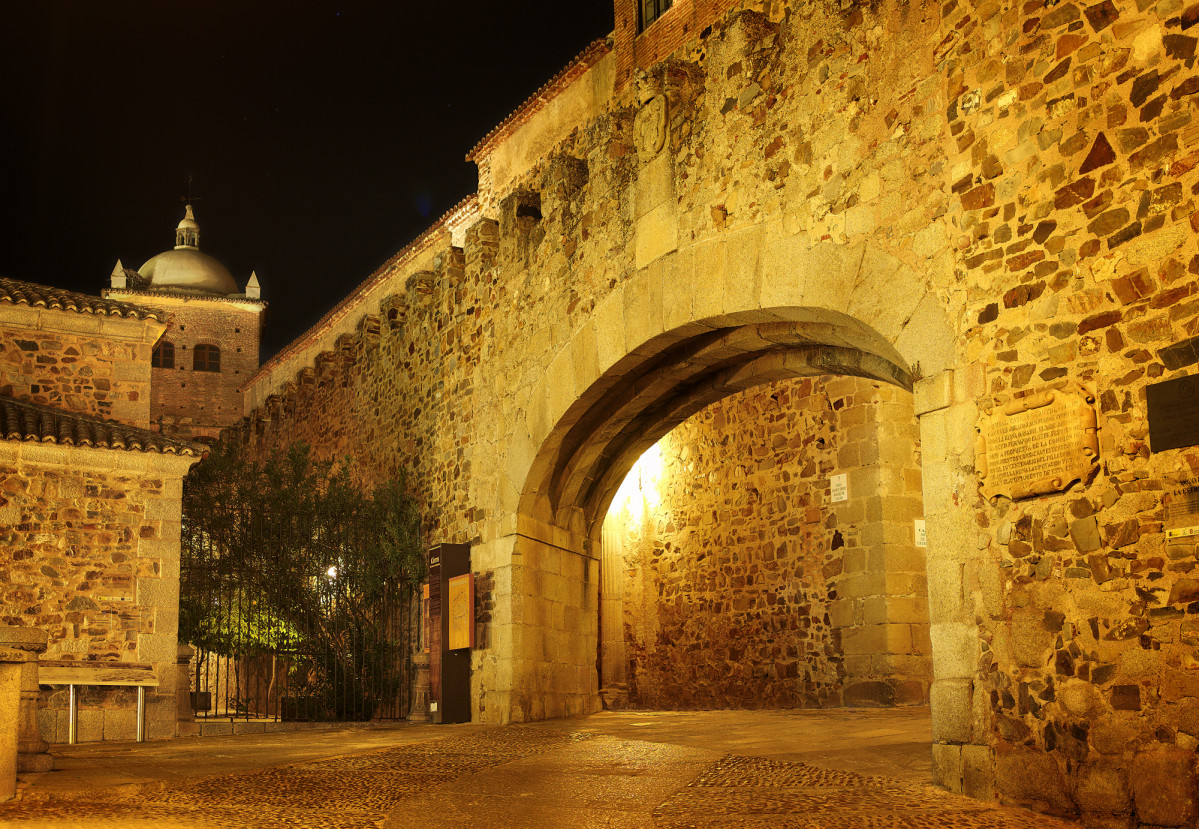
pixel 186 268
pixel 189 269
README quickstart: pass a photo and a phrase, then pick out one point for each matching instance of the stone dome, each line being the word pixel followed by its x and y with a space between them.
pixel 186 268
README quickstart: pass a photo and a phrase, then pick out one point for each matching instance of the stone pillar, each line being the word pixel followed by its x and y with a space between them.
pixel 963 584
pixel 420 688
pixel 18 646
pixel 183 699
pixel 32 751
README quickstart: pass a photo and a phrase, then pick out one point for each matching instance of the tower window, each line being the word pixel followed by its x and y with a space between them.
pixel 651 10
pixel 163 355
pixel 206 358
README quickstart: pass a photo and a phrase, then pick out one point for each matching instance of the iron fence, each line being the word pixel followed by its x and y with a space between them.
pixel 292 618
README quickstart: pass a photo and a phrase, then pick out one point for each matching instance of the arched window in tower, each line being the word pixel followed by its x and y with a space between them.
pixel 206 358
pixel 163 355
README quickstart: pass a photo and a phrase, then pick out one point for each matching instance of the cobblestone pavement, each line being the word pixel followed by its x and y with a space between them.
pixel 529 776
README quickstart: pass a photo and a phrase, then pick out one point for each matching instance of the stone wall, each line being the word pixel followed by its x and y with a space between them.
pixel 93 541
pixel 80 362
pixel 973 200
pixel 736 571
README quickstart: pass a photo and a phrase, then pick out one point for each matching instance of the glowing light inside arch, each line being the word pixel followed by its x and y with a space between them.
pixel 639 492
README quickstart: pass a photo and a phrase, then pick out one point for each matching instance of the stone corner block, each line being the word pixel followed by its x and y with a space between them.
pixel 952 710
pixel 933 393
pixel 947 767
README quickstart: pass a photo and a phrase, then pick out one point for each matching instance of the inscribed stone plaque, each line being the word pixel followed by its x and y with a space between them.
pixel 838 487
pixel 1173 413
pixel 1037 444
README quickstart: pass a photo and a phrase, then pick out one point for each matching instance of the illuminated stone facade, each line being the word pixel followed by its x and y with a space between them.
pixel 974 201
pixel 733 579
pixel 89 500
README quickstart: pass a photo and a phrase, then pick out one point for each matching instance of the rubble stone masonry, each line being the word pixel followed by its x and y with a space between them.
pixel 92 542
pixel 975 201
pixel 78 361
pixel 734 582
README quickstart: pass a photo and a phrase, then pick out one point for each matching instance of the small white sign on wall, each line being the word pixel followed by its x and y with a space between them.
pixel 839 487
pixel 921 534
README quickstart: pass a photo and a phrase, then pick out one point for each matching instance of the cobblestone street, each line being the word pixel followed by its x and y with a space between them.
pixel 610 770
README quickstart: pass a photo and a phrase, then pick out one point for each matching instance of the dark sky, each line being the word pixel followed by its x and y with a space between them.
pixel 322 137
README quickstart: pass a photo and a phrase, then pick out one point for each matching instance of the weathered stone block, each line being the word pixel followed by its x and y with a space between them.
pixel 951 704
pixel 1164 787
pixel 955 650
pixel 1103 788
pixel 948 770
pixel 978 772
pixel 1032 778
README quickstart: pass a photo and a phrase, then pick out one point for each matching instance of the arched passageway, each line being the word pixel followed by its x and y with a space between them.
pixel 589 450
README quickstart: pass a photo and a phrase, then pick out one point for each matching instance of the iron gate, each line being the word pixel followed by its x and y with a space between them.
pixel 291 619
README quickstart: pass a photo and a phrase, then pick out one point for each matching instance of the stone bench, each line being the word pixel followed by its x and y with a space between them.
pixel 129 674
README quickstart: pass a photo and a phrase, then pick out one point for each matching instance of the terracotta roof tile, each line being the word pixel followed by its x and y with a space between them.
pixel 33 422
pixel 586 59
pixel 42 296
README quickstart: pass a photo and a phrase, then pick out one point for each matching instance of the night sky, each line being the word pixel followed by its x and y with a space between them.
pixel 321 137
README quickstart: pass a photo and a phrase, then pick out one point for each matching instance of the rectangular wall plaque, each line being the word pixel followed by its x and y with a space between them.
pixel 1182 508
pixel 838 487
pixel 1037 444
pixel 461 606
pixel 921 533
pixel 1173 413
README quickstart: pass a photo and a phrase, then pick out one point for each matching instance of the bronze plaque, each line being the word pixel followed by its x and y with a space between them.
pixel 1173 413
pixel 1037 444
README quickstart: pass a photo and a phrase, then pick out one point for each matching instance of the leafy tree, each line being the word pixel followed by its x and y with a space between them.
pixel 289 557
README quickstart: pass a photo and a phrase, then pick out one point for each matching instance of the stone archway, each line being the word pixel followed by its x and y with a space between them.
pixel 588 436
pixel 587 455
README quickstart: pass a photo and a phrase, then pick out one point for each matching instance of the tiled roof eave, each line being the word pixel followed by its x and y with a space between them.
pixel 28 422
pixel 16 292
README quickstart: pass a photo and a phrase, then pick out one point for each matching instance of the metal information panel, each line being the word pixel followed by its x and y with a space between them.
pixel 454 682
pixel 1182 508
pixel 1173 413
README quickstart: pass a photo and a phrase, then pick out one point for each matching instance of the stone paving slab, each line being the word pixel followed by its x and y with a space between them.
pixel 565 773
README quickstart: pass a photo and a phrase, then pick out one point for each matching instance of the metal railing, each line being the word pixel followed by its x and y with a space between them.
pixel 291 619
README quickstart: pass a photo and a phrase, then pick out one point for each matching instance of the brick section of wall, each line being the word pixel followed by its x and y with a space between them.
pixel 86 372
pixel 189 403
pixel 684 21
